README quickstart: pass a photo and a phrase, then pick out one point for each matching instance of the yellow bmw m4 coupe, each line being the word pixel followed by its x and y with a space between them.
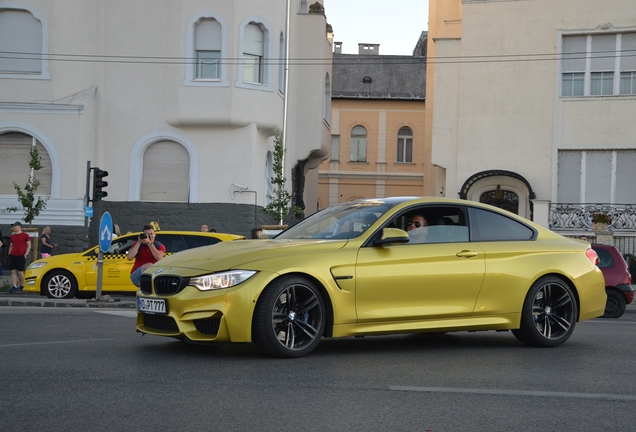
pixel 377 266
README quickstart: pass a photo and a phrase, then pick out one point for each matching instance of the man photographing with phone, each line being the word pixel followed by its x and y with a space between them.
pixel 145 251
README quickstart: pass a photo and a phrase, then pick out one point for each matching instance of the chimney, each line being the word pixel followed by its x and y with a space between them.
pixel 368 49
pixel 337 47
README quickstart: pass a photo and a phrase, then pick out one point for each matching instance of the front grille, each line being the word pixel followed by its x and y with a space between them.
pixel 161 323
pixel 167 285
pixel 146 284
pixel 208 326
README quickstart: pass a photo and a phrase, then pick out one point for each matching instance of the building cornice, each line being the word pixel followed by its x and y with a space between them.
pixel 369 175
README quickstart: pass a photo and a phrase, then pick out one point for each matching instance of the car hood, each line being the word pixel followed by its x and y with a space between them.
pixel 63 258
pixel 239 254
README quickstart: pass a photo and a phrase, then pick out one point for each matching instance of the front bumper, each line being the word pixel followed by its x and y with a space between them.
pixel 206 316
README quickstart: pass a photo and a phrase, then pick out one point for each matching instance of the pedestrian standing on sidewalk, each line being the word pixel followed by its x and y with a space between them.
pixel 1 254
pixel 19 248
pixel 47 245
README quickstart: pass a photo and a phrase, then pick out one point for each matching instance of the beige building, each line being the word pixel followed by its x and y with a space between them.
pixel 530 106
pixel 179 100
pixel 377 127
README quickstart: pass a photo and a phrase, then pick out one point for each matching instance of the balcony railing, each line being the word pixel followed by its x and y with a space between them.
pixel 566 216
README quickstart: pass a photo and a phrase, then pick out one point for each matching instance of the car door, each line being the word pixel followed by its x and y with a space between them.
pixel 116 267
pixel 418 281
pixel 511 261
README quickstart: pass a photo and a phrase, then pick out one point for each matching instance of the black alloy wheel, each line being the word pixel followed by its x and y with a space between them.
pixel 549 313
pixel 289 319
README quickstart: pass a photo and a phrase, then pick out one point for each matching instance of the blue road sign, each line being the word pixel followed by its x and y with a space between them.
pixel 105 232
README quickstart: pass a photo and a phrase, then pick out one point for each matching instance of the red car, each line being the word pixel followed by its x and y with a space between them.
pixel 618 280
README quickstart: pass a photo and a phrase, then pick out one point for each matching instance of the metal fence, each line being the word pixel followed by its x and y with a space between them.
pixel 571 216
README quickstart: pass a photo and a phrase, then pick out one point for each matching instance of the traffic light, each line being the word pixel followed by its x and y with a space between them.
pixel 99 184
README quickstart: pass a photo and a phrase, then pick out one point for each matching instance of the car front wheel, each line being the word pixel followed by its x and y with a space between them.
pixel 549 314
pixel 60 284
pixel 616 304
pixel 289 319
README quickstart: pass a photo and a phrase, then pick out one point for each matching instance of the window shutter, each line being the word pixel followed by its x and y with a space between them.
pixel 603 52
pixel 574 53
pixel 15 149
pixel 253 38
pixel 598 177
pixel 569 177
pixel 208 36
pixel 625 177
pixel 628 52
pixel 21 33
pixel 166 173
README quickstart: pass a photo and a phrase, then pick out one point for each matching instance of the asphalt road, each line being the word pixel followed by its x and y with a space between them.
pixel 87 369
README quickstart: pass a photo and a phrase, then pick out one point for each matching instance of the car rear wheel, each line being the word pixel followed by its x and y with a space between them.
pixel 616 304
pixel 549 314
pixel 60 284
pixel 289 319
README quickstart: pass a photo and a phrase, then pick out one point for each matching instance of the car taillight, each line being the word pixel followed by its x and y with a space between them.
pixel 592 256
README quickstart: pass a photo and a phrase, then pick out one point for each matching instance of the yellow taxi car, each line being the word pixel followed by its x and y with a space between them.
pixel 75 274
pixel 378 266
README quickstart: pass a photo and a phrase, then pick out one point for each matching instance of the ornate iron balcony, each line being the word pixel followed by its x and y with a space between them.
pixel 564 216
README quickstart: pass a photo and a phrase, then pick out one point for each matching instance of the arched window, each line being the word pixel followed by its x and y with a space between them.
pixel 504 199
pixel 15 149
pixel 208 43
pixel 166 172
pixel 405 145
pixel 358 151
pixel 24 42
pixel 327 101
pixel 206 47
pixel 253 53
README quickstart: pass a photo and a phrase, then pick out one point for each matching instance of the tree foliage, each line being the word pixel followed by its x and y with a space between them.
pixel 279 202
pixel 31 205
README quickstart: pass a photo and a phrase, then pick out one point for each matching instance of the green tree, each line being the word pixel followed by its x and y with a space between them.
pixel 29 203
pixel 279 202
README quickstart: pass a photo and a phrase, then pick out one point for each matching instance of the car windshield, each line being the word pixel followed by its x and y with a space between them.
pixel 344 221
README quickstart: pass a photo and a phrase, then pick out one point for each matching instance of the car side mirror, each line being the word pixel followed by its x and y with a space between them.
pixel 392 236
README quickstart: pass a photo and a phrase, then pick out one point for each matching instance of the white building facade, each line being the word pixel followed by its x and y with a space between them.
pixel 178 100
pixel 532 107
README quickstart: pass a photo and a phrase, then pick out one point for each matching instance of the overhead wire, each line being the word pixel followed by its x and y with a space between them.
pixel 339 59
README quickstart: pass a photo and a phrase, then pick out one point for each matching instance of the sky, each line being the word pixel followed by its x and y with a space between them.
pixel 394 24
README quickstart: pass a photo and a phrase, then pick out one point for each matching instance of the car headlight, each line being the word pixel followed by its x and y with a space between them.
pixel 221 280
pixel 36 265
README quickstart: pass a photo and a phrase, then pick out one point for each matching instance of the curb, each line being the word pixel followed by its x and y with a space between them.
pixel 105 303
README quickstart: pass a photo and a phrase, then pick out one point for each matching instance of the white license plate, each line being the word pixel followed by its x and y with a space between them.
pixel 151 306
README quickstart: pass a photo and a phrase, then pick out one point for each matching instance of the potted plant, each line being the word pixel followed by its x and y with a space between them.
pixel 600 221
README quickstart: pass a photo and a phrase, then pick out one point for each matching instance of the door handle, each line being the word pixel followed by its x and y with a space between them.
pixel 466 254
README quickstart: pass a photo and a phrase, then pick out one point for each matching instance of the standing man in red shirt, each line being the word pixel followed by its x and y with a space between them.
pixel 145 251
pixel 18 252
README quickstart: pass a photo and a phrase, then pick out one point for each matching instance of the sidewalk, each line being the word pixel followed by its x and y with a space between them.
pixel 34 299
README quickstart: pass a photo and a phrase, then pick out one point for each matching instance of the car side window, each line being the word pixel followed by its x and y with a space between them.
pixel 605 259
pixel 198 241
pixel 490 226
pixel 444 224
pixel 172 243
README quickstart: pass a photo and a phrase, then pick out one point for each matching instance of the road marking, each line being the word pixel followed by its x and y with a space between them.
pixel 607 321
pixel 129 314
pixel 515 393
pixel 56 342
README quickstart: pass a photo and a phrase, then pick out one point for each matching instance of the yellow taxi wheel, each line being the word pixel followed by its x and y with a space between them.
pixel 59 284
